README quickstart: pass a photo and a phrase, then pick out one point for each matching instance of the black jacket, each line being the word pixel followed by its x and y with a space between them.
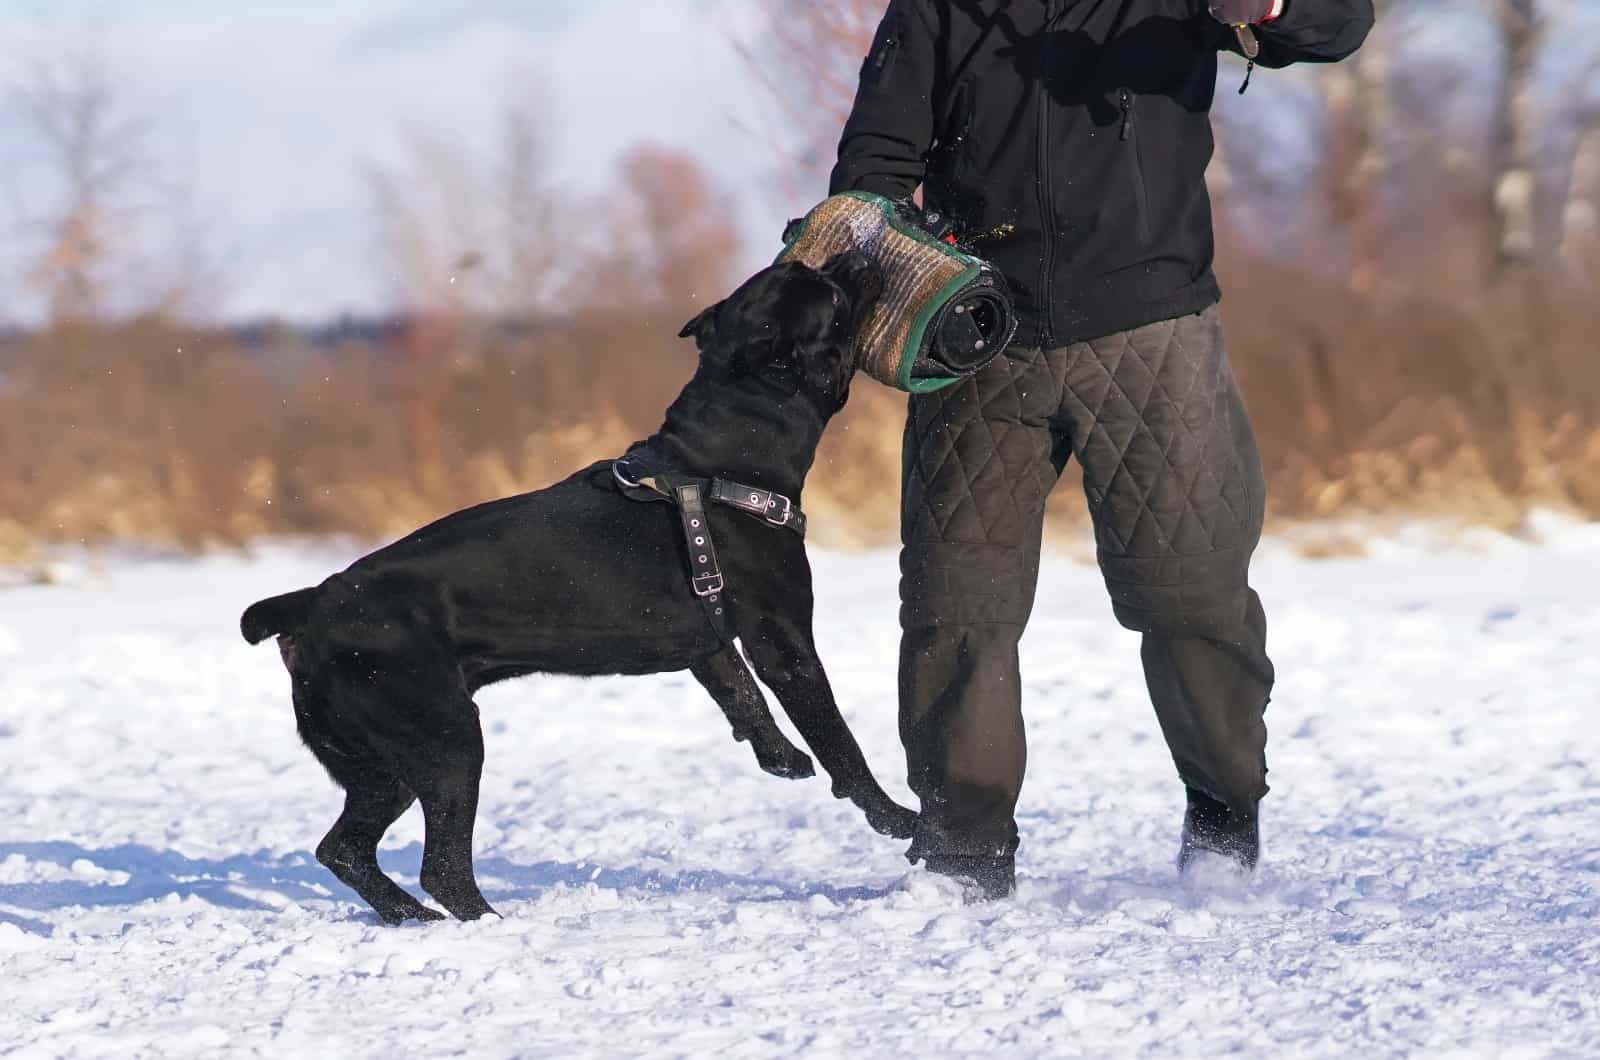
pixel 1083 123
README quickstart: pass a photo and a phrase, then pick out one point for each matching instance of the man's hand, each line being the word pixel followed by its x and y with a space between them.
pixel 1245 12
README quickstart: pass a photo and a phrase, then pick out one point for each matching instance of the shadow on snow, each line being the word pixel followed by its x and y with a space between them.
pixel 297 877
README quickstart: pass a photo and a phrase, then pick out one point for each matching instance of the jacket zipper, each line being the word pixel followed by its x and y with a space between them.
pixel 1143 193
pixel 1046 205
pixel 888 47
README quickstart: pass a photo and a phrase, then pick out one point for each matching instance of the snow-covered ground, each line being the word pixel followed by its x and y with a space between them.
pixel 1431 883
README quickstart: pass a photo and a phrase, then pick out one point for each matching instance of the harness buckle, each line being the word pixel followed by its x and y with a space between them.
pixel 783 518
pixel 706 584
pixel 623 479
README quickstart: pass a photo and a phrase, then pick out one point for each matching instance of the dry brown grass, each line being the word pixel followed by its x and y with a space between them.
pixel 1369 400
pixel 1368 404
pixel 163 435
pixel 178 439
pixel 1402 371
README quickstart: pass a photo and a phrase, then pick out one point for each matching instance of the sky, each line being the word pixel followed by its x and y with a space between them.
pixel 274 110
pixel 271 113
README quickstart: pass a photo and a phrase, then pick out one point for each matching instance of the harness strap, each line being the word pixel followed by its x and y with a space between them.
pixel 771 507
pixel 705 576
pixel 775 508
pixel 690 495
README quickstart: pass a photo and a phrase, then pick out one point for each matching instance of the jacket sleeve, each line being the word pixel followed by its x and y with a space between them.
pixel 1309 31
pixel 890 128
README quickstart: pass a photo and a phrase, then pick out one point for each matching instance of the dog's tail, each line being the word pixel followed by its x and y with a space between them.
pixel 276 614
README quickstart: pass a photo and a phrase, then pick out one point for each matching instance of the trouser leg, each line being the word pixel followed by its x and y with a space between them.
pixel 1176 492
pixel 980 459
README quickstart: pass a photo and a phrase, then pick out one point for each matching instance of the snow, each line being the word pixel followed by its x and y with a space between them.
pixel 1430 884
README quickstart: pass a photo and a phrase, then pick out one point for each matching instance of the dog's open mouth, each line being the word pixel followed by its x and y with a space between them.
pixel 863 282
pixel 871 288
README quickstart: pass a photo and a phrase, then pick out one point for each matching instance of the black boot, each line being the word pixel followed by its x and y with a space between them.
pixel 1210 826
pixel 991 877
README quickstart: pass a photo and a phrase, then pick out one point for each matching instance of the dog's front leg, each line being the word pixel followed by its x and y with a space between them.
pixel 728 679
pixel 785 657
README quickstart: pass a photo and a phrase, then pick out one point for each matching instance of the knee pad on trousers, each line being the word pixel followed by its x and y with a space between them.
pixel 1179 596
pixel 964 584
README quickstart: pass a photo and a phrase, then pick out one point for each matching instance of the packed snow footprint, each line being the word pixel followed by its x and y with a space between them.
pixel 1430 878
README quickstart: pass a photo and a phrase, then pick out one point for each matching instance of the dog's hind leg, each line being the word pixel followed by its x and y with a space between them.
pixel 445 773
pixel 372 802
pixel 731 684
pixel 385 726
pixel 325 701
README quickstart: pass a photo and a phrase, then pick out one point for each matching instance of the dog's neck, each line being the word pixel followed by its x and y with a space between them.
pixel 742 430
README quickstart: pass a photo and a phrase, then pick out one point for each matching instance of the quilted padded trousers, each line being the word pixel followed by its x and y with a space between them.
pixel 1175 491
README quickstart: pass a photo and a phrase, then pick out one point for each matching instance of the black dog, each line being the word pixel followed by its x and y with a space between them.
pixel 582 579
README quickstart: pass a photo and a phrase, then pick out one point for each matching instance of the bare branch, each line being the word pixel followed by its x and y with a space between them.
pixel 454 233
pixel 113 230
pixel 806 65
pixel 1517 132
pixel 528 218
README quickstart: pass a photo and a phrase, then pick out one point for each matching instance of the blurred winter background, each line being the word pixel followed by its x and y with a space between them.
pixel 324 270
pixel 339 267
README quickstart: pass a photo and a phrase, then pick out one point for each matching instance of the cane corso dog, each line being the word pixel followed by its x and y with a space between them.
pixel 584 578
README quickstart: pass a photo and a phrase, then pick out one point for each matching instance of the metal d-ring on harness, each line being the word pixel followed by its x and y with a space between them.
pixel 689 495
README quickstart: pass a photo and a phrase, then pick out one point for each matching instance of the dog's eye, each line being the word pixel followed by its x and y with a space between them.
pixel 838 299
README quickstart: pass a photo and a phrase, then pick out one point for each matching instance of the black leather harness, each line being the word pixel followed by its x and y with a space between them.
pixel 690 494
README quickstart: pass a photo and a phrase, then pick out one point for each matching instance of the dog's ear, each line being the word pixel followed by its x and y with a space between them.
pixel 702 323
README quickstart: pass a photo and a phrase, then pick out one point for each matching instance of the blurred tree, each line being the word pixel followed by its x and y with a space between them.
pixel 1517 129
pixel 528 214
pixel 668 241
pixel 468 244
pixel 1580 220
pixel 457 233
pixel 807 63
pixel 473 246
pixel 112 222
pixel 96 154
pixel 673 236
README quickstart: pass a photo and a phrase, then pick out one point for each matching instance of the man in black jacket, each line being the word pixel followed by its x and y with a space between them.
pixel 1078 132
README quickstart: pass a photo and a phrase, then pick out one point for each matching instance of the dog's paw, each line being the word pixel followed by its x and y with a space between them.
pixel 793 764
pixel 426 915
pixel 893 820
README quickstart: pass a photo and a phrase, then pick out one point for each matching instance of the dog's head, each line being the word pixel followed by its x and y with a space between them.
pixel 793 326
